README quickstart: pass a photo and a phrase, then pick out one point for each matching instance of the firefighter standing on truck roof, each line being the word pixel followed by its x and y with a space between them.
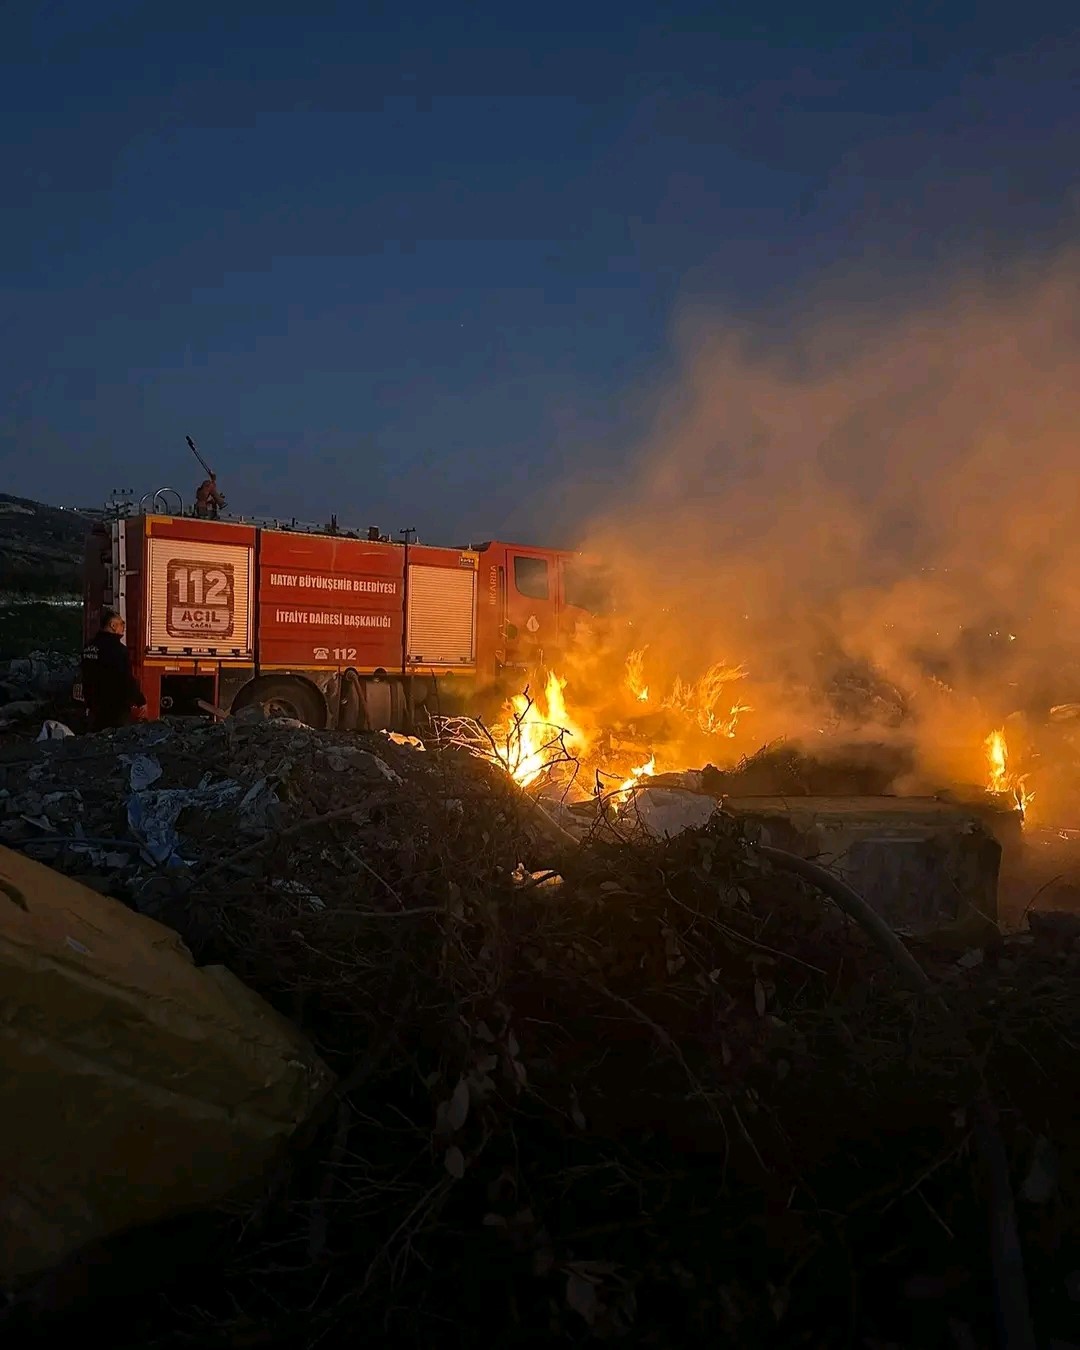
pixel 209 498
pixel 110 691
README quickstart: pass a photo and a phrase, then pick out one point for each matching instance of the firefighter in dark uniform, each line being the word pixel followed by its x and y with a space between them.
pixel 209 499
pixel 110 691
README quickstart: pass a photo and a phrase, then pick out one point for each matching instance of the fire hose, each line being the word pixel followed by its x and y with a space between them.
pixel 1012 1307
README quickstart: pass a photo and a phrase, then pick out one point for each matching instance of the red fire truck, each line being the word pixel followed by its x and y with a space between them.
pixel 326 626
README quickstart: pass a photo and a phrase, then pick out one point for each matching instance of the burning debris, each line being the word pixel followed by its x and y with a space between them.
pixel 1001 780
pixel 708 703
pixel 548 1053
pixel 521 892
pixel 635 675
pixel 555 748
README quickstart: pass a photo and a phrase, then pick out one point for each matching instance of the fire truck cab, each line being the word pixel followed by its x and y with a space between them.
pixel 335 628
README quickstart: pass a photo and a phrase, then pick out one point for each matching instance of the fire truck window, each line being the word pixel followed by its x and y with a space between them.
pixel 587 588
pixel 531 577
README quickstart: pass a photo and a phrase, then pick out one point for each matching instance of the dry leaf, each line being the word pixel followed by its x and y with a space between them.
pixel 454 1161
pixel 458 1110
pixel 1041 1181
pixel 759 998
pixel 581 1297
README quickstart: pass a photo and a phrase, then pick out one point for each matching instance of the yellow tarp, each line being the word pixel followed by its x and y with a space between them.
pixel 132 1084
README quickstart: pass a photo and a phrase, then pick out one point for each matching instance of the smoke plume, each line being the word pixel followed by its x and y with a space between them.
pixel 893 491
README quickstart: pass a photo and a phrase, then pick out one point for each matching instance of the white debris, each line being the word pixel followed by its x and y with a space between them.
pixel 665 812
pixel 52 730
pixel 152 817
pixel 398 739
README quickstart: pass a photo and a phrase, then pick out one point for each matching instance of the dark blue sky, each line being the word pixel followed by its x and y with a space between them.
pixel 424 270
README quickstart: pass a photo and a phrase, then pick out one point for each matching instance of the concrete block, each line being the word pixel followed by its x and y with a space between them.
pixel 921 862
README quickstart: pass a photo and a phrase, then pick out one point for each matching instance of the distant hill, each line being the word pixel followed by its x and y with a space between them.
pixel 41 548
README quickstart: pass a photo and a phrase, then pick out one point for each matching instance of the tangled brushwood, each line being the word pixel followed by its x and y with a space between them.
pixel 655 1092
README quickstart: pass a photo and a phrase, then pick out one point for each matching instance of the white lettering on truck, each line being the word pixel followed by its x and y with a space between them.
pixel 313 582
pixel 330 619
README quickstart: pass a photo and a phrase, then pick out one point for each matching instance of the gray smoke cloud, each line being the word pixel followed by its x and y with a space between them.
pixel 887 482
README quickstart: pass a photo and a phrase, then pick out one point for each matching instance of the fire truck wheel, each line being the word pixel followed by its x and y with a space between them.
pixel 285 696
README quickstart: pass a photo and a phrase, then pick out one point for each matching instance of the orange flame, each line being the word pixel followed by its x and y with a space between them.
pixel 999 779
pixel 635 675
pixel 997 760
pixel 709 701
pixel 622 793
pixel 537 733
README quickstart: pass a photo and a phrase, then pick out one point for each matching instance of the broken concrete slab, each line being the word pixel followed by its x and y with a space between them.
pixel 920 862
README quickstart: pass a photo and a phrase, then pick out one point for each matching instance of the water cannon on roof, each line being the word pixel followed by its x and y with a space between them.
pixel 209 499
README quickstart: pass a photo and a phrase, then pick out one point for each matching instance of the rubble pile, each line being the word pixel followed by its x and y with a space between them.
pixel 34 687
pixel 646 1089
pixel 860 770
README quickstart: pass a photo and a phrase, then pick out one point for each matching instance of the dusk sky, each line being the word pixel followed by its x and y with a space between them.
pixel 425 268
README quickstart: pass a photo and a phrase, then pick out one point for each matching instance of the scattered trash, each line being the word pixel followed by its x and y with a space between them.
pixel 52 730
pixel 576 1051
pixel 257 806
pixel 144 771
pixel 31 686
pixel 396 738
pixel 546 879
pixel 666 812
pixel 152 817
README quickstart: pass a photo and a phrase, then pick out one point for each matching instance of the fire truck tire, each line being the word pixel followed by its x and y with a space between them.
pixel 285 696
